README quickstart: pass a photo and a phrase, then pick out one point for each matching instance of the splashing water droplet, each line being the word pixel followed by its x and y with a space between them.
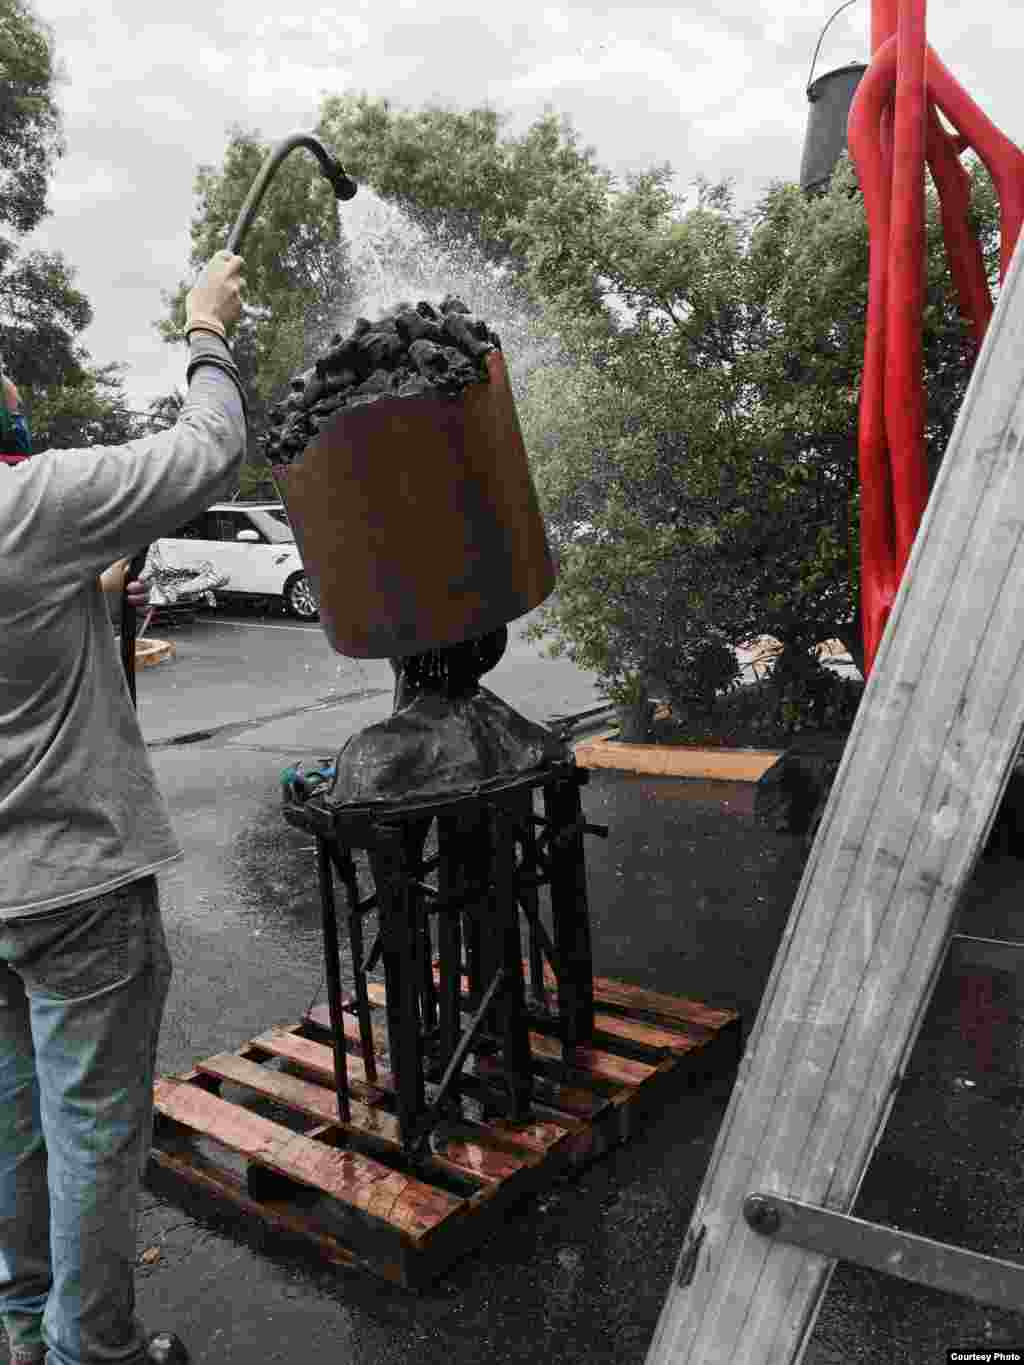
pixel 394 260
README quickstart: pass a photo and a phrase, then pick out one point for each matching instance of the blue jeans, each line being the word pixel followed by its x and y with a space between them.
pixel 82 994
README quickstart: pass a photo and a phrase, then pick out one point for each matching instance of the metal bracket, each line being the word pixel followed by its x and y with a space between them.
pixel 935 1265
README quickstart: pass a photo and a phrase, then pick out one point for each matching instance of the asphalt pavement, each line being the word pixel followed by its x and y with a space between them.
pixel 688 895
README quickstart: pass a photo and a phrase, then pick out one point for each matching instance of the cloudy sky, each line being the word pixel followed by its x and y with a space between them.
pixel 716 86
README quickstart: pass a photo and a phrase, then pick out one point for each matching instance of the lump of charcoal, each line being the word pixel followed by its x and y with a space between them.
pixel 299 381
pixel 340 382
pixel 429 359
pixel 360 326
pixel 338 358
pixel 451 303
pixel 426 310
pixel 327 405
pixel 495 340
pixel 415 387
pixel 456 329
pixel 460 373
pixel 378 382
pixel 378 350
pixel 316 387
pixel 413 326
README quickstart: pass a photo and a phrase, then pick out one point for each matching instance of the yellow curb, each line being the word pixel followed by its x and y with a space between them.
pixel 149 652
pixel 675 760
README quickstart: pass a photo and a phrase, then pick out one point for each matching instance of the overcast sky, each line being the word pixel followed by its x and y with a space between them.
pixel 716 86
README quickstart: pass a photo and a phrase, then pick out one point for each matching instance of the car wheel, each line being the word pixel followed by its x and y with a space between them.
pixel 300 599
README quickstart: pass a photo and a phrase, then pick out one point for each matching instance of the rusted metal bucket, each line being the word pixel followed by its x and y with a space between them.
pixel 418 522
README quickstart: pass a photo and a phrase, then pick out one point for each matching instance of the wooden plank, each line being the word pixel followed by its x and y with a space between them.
pixel 195 1170
pixel 319 1061
pixel 921 779
pixel 316 1100
pixel 671 760
pixel 671 1012
pixel 674 1009
pixel 571 1105
pixel 470 1155
pixel 356 1181
pixel 592 1062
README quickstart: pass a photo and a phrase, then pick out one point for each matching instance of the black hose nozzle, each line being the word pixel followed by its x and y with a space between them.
pixel 341 182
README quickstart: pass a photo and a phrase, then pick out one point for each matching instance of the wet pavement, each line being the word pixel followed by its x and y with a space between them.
pixel 689 895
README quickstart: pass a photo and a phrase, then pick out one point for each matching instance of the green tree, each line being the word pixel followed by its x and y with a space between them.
pixel 92 410
pixel 41 312
pixel 697 456
pixel 30 128
pixel 454 173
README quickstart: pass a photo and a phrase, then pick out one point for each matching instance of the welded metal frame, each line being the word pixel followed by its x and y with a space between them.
pixel 494 854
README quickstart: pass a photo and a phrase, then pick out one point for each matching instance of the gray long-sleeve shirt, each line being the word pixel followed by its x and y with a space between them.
pixel 80 810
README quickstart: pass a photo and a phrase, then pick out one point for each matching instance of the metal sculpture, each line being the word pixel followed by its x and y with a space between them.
pixel 894 131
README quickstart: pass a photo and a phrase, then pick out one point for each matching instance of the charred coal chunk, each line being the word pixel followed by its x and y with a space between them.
pixel 379 349
pixel 459 370
pixel 338 359
pixel 458 330
pixel 378 382
pixel 430 360
pixel 415 386
pixel 414 326
pixel 451 303
pixel 427 310
pixel 316 387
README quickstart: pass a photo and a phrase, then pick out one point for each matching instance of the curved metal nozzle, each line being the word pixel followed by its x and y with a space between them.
pixel 342 184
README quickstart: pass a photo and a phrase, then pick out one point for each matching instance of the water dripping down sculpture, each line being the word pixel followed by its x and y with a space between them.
pixel 401 463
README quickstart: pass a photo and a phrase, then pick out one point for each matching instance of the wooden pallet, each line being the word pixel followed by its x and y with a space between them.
pixel 259 1128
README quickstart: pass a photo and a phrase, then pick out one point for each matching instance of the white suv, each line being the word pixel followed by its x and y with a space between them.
pixel 253 544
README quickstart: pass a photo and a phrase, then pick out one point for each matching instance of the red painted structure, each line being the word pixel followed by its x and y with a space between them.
pixel 894 131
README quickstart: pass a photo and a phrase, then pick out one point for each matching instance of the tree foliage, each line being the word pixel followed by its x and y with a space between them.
pixel 453 172
pixel 91 411
pixel 30 127
pixel 695 444
pixel 697 457
pixel 42 313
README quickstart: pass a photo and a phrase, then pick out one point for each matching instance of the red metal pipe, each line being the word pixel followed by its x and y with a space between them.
pixel 905 297
pixel 1003 159
pixel 869 135
pixel 884 17
pixel 966 263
